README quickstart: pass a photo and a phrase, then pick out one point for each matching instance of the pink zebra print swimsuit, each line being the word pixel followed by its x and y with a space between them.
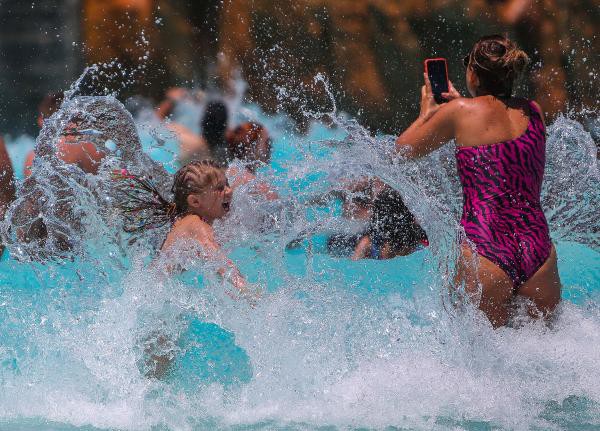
pixel 502 214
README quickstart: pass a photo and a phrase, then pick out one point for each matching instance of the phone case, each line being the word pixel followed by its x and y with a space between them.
pixel 437 97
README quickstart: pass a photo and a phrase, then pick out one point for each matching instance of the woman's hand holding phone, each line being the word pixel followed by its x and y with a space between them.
pixel 452 93
pixel 428 104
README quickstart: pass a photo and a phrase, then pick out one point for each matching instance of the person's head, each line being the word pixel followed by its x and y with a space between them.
pixel 393 223
pixel 250 142
pixel 493 65
pixel 358 198
pixel 48 106
pixel 201 188
pixel 214 124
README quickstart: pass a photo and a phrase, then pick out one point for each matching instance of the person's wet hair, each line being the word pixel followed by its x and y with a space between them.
pixel 214 125
pixel 498 63
pixel 392 222
pixel 244 140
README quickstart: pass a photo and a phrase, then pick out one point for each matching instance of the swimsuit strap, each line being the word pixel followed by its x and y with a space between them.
pixel 533 109
pixel 535 114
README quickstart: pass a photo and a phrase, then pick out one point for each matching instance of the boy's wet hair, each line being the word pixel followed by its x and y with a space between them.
pixel 243 140
pixel 393 222
pixel 214 124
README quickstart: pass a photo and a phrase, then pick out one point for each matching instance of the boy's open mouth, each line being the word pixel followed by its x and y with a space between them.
pixel 226 206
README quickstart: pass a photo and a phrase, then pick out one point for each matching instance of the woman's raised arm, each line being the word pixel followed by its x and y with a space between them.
pixel 435 125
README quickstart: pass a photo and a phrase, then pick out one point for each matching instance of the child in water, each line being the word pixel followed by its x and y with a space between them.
pixel 201 195
pixel 251 145
pixel 72 147
pixel 393 230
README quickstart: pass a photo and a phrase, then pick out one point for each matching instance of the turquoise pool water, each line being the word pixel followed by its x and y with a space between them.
pixel 332 343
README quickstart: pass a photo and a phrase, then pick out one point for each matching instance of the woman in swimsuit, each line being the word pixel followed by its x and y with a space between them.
pixel 500 153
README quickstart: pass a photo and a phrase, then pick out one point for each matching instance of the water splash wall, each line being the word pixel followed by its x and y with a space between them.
pixel 331 343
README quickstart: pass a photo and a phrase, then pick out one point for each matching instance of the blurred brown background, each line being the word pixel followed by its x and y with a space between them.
pixel 371 51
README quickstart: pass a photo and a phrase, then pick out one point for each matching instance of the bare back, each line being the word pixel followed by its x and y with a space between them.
pixel 487 120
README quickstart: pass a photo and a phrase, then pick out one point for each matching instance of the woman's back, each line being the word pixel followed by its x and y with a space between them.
pixel 488 120
pixel 509 171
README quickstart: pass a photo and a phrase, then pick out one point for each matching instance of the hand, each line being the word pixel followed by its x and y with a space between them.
pixel 251 293
pixel 452 94
pixel 428 104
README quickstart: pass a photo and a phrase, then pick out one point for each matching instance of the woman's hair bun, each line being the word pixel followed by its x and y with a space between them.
pixel 498 62
pixel 515 59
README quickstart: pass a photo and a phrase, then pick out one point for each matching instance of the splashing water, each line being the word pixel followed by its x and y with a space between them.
pixel 331 343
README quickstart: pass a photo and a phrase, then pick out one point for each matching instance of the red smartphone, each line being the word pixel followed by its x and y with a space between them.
pixel 437 71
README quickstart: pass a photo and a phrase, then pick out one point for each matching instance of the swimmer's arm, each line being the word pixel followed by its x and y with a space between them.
pixel 205 236
pixel 193 149
pixel 173 96
pixel 435 125
pixel 430 132
pixel 189 142
pixel 362 248
pixel 7 184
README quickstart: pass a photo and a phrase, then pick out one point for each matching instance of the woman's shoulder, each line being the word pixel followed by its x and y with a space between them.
pixel 475 108
pixel 463 106
pixel 537 107
pixel 475 104
pixel 463 109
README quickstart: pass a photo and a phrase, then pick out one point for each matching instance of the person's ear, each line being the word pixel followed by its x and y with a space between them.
pixel 193 201
pixel 473 78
